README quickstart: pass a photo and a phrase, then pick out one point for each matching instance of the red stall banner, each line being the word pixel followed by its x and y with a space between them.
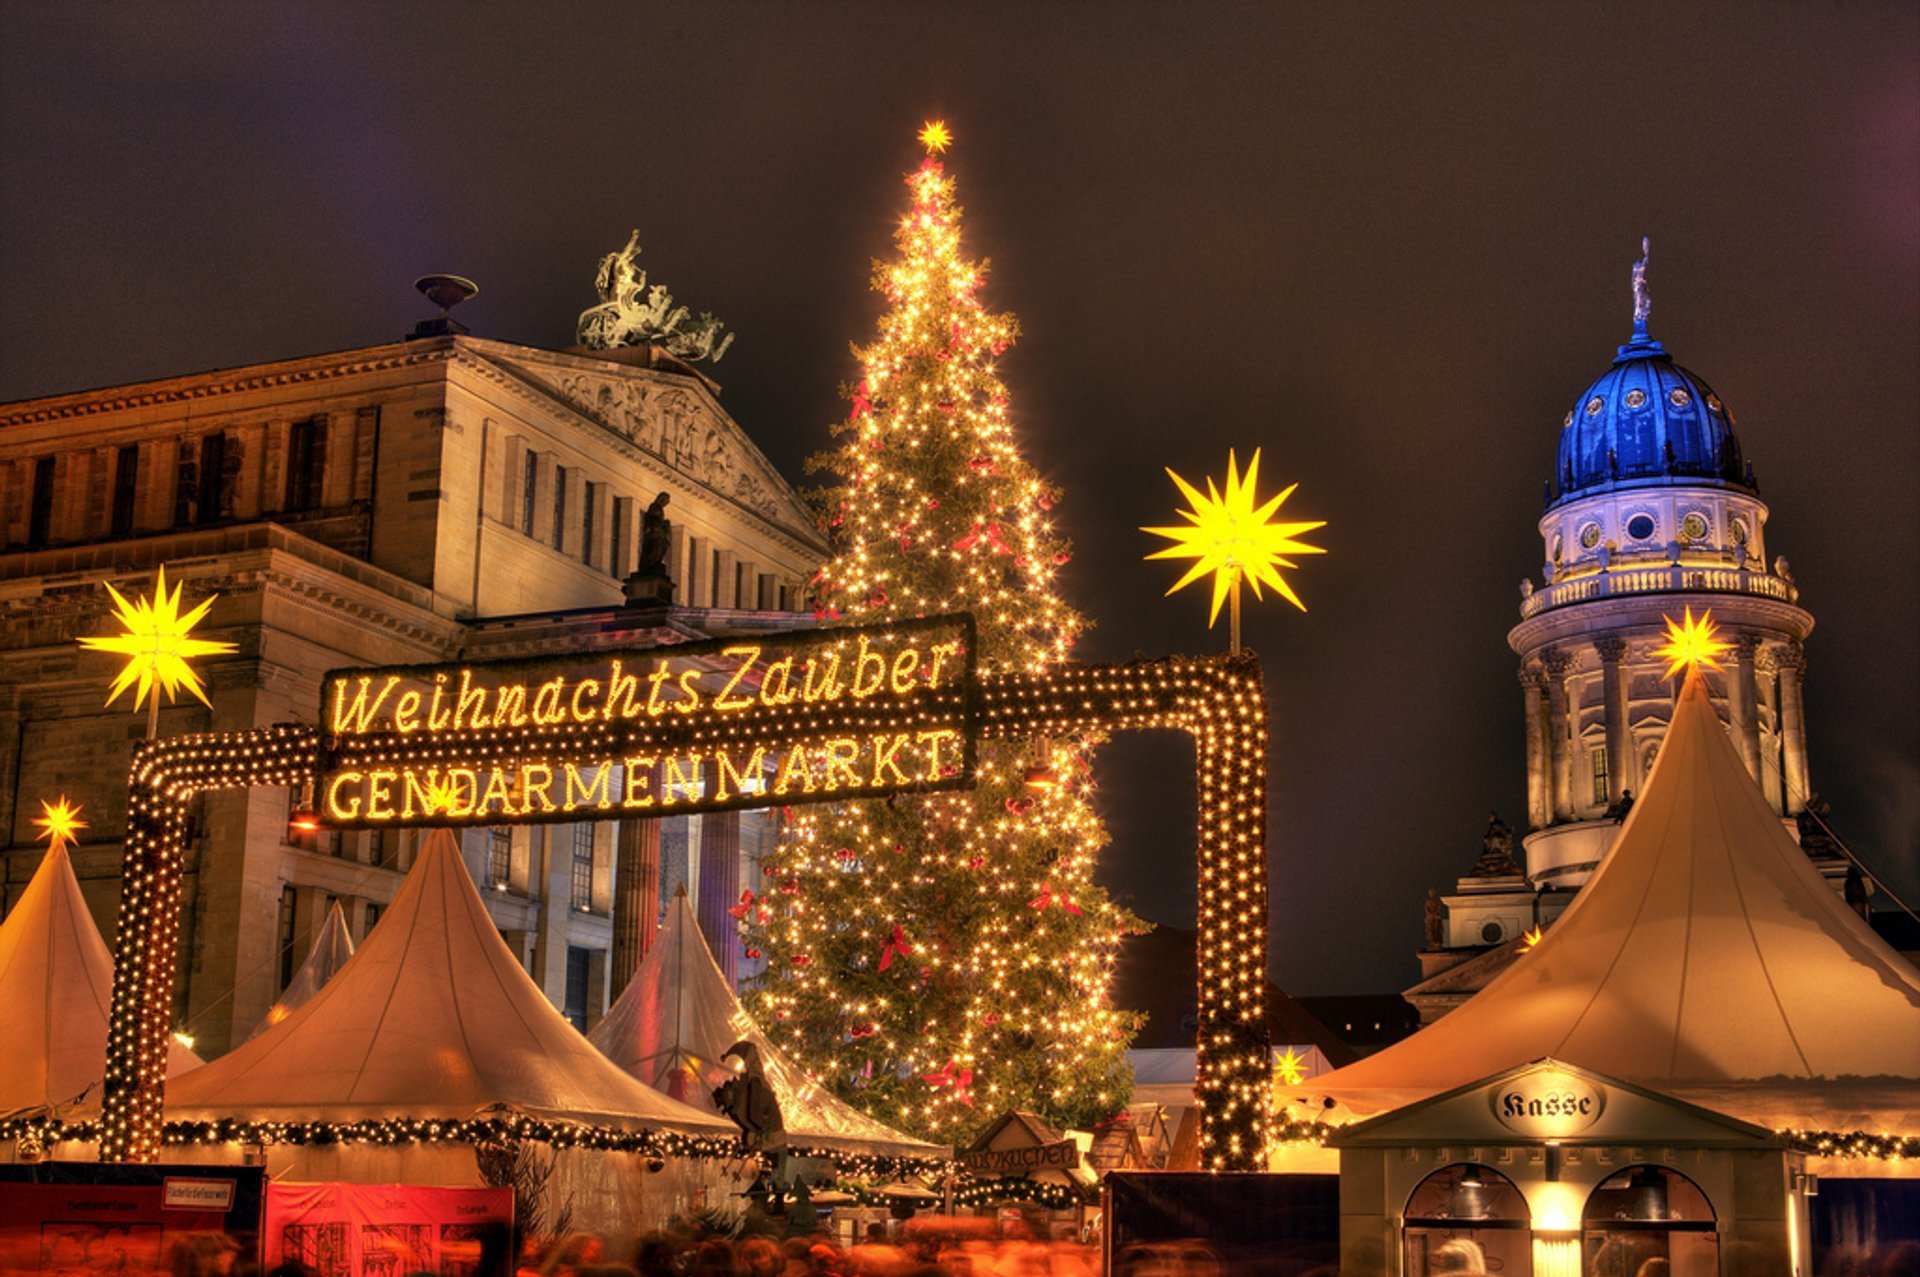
pixel 388 1230
pixel 75 1220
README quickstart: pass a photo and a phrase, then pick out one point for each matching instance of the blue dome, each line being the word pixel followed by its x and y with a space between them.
pixel 1646 420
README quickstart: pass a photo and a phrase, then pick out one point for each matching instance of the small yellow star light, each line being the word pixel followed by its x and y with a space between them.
pixel 60 822
pixel 1691 643
pixel 1232 537
pixel 1530 938
pixel 936 137
pixel 156 644
pixel 1288 1066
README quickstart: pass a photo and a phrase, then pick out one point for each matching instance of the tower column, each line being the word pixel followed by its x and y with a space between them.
pixel 1560 732
pixel 1539 767
pixel 1743 703
pixel 1613 692
pixel 1793 728
pixel 636 899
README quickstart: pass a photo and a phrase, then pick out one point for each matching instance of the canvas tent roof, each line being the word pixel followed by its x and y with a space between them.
pixel 431 1018
pixel 1705 957
pixel 677 1015
pixel 56 985
pixel 330 950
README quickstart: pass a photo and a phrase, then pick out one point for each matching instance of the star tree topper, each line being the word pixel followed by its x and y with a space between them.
pixel 1231 536
pixel 157 641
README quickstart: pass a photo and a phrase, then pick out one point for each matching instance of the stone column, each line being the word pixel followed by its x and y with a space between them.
pixel 720 888
pixel 1560 732
pixel 1533 698
pixel 1743 704
pixel 1613 694
pixel 636 898
pixel 1793 728
pixel 1766 662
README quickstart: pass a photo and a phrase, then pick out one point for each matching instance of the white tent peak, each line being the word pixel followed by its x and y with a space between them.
pixel 331 948
pixel 677 1015
pixel 1705 951
pixel 56 983
pixel 431 1018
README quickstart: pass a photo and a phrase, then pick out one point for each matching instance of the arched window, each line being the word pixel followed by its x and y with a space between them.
pixel 1648 1213
pixel 1467 1218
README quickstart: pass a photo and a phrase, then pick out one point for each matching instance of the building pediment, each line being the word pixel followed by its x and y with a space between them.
pixel 670 417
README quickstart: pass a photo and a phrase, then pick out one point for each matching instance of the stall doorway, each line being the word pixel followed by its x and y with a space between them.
pixel 1467 1218
pixel 1648 1220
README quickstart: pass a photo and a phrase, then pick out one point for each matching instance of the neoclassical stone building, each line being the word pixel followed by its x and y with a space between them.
pixel 444 497
pixel 1651 510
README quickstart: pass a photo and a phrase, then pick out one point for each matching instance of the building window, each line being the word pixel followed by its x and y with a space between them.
pixel 499 857
pixel 1602 786
pixel 583 867
pixel 40 507
pixel 126 475
pixel 577 978
pixel 373 918
pixel 530 484
pixel 613 548
pixel 287 900
pixel 213 467
pixel 559 507
pixel 714 577
pixel 586 524
pixel 740 598
pixel 306 463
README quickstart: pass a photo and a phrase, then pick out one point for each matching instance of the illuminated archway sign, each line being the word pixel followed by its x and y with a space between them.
pixel 789 718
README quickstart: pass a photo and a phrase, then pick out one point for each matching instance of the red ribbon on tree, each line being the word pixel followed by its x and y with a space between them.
pixel 1046 898
pixel 745 906
pixel 961 1080
pixel 896 946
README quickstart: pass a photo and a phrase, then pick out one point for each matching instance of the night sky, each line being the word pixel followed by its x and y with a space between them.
pixel 1388 245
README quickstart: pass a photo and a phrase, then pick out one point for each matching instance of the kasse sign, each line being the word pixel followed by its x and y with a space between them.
pixel 754 721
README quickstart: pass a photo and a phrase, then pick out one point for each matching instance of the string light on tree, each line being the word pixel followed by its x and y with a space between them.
pixel 157 640
pixel 1232 536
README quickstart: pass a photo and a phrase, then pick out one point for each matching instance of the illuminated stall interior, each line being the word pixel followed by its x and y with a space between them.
pixel 1552 1170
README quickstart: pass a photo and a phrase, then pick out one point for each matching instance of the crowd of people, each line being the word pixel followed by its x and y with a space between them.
pixel 925 1251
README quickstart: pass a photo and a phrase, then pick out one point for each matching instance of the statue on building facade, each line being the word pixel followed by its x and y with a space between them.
pixel 1496 851
pixel 1436 921
pixel 625 318
pixel 650 584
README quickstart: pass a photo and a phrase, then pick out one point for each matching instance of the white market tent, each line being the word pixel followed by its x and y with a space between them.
pixel 677 1015
pixel 432 1018
pixel 56 985
pixel 1705 958
pixel 330 951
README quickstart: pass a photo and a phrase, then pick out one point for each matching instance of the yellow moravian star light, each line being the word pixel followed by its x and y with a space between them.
pixel 1230 536
pixel 1691 643
pixel 60 821
pixel 936 137
pixel 1288 1067
pixel 157 642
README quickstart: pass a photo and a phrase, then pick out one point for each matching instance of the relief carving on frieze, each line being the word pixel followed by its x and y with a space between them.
pixel 679 428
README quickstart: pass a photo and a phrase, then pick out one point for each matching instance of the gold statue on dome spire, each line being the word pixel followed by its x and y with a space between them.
pixel 1642 299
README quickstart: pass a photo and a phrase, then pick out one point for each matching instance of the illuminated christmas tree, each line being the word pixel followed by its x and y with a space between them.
pixel 941 958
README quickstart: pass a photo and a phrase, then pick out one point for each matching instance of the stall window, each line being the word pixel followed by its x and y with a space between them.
pixel 1647 1213
pixel 1468 1218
